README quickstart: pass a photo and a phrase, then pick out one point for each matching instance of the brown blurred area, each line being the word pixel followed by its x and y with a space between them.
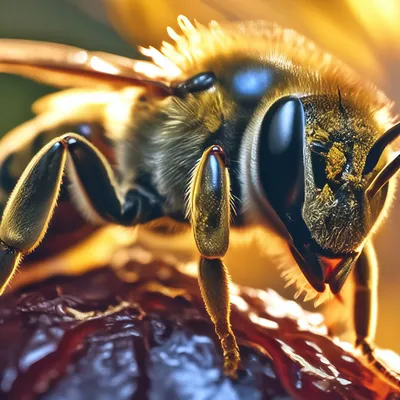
pixel 363 33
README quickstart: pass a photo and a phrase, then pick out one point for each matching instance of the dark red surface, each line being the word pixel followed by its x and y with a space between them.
pixel 153 340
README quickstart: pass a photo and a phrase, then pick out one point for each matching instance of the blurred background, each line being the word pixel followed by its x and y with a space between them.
pixel 363 33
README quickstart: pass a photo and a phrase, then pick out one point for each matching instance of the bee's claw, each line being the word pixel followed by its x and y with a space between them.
pixel 231 354
pixel 230 369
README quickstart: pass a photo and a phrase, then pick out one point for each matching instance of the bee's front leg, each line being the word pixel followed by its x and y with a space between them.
pixel 365 310
pixel 210 216
pixel 32 202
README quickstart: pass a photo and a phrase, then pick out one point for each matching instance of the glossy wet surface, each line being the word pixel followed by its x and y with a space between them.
pixel 98 337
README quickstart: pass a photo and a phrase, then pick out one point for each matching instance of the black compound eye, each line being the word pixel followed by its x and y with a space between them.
pixel 281 146
pixel 197 83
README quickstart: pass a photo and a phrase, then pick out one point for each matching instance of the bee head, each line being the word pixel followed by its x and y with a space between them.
pixel 321 174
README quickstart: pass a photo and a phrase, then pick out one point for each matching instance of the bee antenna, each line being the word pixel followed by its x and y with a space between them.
pixel 379 147
pixel 341 106
pixel 384 176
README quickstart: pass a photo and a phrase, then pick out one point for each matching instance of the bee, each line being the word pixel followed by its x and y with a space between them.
pixel 244 127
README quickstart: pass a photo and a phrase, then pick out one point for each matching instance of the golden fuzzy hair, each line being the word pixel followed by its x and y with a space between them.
pixel 199 47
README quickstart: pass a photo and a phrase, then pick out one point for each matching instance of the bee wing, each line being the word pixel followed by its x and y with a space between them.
pixel 97 80
pixel 66 66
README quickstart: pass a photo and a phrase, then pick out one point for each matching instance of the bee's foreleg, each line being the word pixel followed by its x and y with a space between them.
pixel 210 217
pixel 365 303
pixel 32 202
pixel 214 285
pixel 97 192
pixel 29 208
pixel 365 310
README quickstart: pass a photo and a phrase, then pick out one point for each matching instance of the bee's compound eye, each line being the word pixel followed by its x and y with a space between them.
pixel 197 83
pixel 281 153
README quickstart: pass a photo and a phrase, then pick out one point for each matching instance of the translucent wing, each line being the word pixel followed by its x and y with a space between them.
pixel 66 66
